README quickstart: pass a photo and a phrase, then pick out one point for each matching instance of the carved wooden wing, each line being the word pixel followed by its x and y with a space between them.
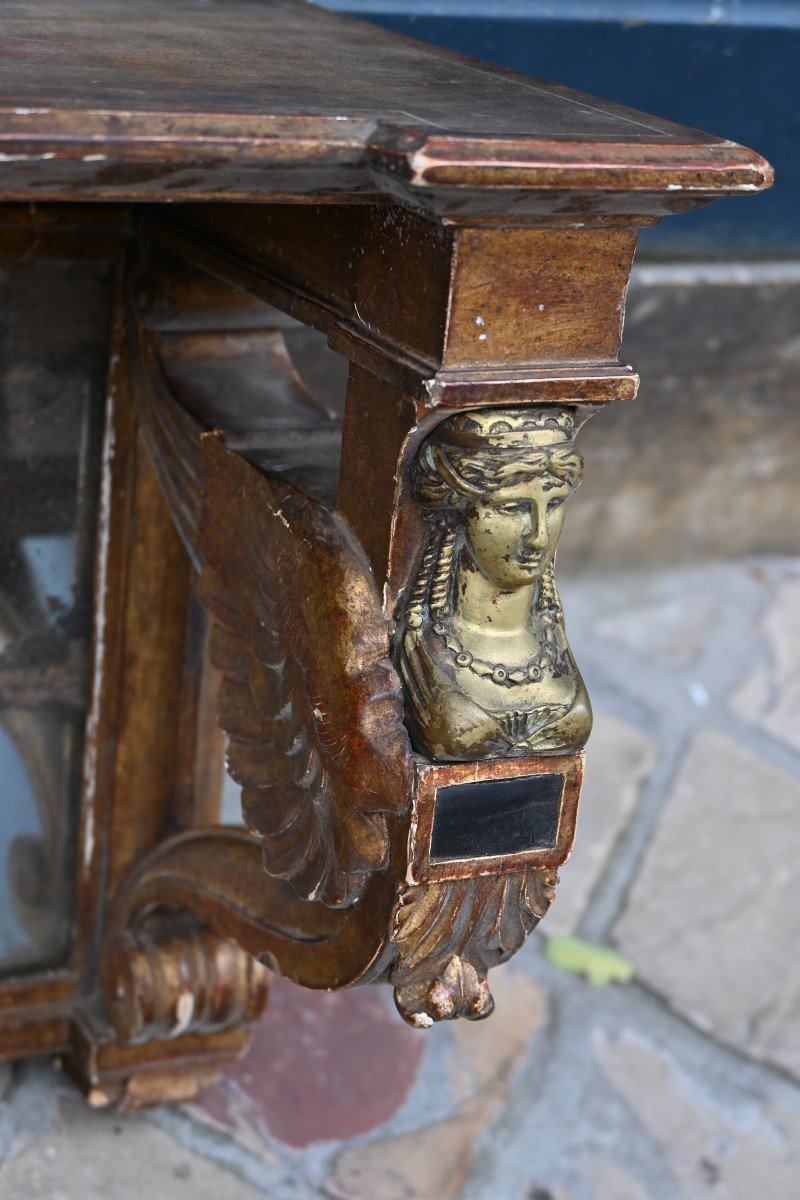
pixel 310 701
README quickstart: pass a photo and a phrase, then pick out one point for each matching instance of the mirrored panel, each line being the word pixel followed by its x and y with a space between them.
pixel 53 354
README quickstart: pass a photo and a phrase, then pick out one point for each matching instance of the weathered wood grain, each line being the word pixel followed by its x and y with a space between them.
pixel 104 99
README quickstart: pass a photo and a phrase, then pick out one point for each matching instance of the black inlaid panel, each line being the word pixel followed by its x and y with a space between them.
pixel 496 816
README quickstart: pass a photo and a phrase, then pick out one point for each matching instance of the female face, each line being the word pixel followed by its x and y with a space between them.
pixel 513 533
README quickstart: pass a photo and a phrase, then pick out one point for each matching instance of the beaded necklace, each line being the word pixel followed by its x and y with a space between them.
pixel 500 673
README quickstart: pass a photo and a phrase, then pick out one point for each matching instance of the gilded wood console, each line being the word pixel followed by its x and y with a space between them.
pixel 360 585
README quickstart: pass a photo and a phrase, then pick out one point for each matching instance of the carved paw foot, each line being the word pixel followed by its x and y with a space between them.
pixel 459 991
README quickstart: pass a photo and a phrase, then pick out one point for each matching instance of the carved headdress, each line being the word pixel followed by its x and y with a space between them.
pixel 472 455
pixel 479 452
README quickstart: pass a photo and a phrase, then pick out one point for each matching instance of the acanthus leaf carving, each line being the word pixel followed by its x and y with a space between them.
pixel 448 935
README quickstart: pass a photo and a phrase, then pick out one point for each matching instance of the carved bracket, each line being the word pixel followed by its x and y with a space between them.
pixel 403 711
pixel 425 864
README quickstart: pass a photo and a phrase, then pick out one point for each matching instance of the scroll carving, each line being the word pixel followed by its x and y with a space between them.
pixel 173 975
pixel 483 653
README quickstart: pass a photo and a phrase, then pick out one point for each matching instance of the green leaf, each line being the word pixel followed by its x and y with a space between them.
pixel 599 964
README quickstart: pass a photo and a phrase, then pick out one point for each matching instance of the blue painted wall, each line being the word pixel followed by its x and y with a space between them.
pixel 730 67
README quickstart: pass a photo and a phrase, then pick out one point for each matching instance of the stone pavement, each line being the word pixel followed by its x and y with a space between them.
pixel 681 1085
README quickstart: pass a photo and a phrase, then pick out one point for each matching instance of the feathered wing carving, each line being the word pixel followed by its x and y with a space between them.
pixel 310 702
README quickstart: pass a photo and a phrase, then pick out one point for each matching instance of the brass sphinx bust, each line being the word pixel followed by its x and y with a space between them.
pixel 482 650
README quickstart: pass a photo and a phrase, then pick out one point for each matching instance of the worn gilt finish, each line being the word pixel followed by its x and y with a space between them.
pixel 483 653
pixel 309 701
pixel 448 935
pixel 388 655
pixel 172 974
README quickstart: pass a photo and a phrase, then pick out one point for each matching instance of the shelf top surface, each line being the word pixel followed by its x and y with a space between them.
pixel 101 84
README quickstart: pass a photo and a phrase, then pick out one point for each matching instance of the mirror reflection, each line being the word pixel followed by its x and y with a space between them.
pixel 52 371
